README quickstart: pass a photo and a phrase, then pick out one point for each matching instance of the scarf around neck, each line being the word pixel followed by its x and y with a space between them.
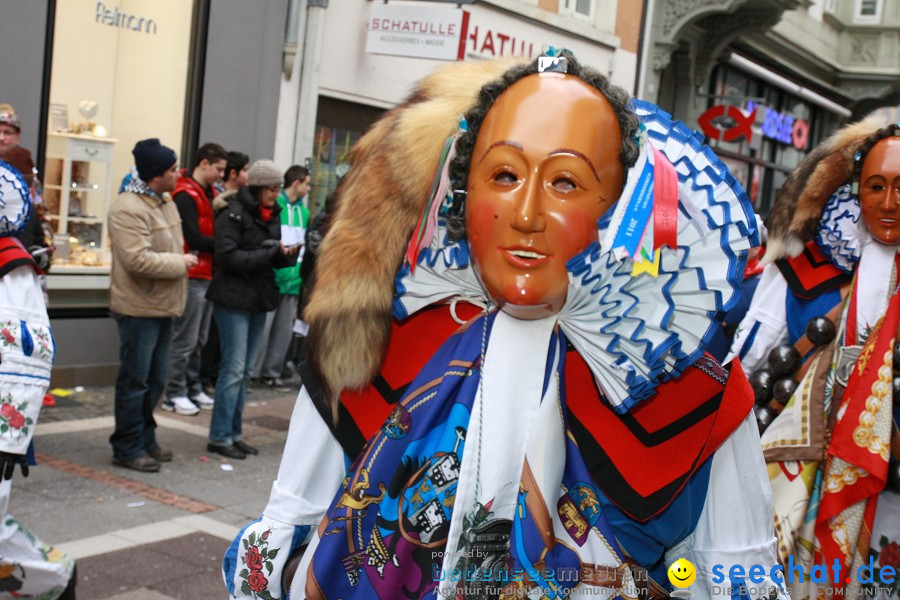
pixel 474 484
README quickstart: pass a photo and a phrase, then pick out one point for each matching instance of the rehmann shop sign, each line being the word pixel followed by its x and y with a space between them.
pixel 417 31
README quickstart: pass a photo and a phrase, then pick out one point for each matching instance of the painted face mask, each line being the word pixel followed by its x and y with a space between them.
pixel 879 191
pixel 544 168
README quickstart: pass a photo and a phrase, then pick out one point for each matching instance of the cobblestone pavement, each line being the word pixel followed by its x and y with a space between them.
pixel 147 536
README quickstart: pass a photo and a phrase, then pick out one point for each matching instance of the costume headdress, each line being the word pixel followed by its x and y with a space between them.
pixel 636 329
pixel 15 202
pixel 806 195
pixel 9 117
pixel 379 201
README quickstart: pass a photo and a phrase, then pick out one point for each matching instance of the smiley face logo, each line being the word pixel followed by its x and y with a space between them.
pixel 682 573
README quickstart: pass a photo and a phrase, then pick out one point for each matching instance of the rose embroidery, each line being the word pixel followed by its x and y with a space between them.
pixel 890 555
pixel 257 582
pixel 254 559
pixel 17 420
pixel 887 557
pixel 44 345
pixel 12 419
pixel 9 337
pixel 257 557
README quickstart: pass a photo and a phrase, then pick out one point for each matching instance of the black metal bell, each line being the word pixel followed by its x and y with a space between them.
pixel 784 389
pixel 897 355
pixel 893 480
pixel 820 330
pixel 761 381
pixel 896 387
pixel 764 417
pixel 784 360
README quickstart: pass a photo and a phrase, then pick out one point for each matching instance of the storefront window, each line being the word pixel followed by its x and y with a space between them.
pixel 785 130
pixel 119 75
pixel 330 164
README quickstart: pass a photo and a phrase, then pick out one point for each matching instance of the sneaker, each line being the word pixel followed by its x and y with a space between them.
pixel 274 384
pixel 203 401
pixel 180 405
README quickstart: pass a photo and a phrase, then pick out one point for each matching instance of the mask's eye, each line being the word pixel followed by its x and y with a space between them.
pixel 876 187
pixel 506 178
pixel 564 185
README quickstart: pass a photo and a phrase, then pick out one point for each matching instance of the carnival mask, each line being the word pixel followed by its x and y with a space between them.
pixel 545 167
pixel 879 191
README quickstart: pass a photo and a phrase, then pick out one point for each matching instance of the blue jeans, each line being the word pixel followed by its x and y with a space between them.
pixel 143 367
pixel 239 335
pixel 276 339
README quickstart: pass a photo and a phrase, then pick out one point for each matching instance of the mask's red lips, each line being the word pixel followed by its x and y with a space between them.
pixel 524 257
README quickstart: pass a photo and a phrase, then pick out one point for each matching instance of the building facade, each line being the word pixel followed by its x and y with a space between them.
pixel 796 70
pixel 357 82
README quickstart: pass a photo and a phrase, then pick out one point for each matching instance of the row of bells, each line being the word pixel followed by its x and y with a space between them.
pixel 773 386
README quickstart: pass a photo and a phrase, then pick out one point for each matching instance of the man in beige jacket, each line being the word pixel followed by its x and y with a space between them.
pixel 148 287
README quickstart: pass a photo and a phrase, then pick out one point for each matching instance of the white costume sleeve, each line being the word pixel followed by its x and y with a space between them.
pixel 765 324
pixel 312 467
pixel 736 526
pixel 26 357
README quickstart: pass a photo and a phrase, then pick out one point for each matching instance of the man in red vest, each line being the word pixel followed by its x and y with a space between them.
pixel 193 196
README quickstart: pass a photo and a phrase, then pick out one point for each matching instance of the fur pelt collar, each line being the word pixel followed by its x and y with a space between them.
pixel 379 201
pixel 799 203
pixel 220 202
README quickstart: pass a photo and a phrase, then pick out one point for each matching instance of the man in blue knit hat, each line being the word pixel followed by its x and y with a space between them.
pixel 148 287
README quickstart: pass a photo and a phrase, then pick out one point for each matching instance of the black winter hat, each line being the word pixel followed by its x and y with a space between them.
pixel 152 158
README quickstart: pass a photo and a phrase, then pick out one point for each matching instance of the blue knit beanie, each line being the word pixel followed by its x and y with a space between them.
pixel 152 158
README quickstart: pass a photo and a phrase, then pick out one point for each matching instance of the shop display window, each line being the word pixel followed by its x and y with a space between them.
pixel 119 75
pixel 77 179
pixel 785 130
pixel 330 162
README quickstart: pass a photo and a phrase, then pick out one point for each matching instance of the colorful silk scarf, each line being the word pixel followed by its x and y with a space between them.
pixel 857 461
pixel 385 533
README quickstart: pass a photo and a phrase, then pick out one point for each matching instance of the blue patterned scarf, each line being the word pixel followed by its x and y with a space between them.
pixel 387 527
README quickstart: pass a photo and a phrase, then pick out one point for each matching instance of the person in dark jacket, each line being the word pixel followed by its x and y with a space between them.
pixel 247 249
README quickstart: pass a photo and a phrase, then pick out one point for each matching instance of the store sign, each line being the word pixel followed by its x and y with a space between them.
pixel 491 42
pixel 115 18
pixel 417 31
pixel 488 33
pixel 784 128
pixel 727 123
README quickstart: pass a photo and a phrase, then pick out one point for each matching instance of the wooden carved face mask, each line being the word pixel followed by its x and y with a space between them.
pixel 544 168
pixel 879 191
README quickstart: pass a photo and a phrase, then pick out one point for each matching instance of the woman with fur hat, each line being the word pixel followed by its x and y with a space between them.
pixel 506 346
pixel 247 250
pixel 831 299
